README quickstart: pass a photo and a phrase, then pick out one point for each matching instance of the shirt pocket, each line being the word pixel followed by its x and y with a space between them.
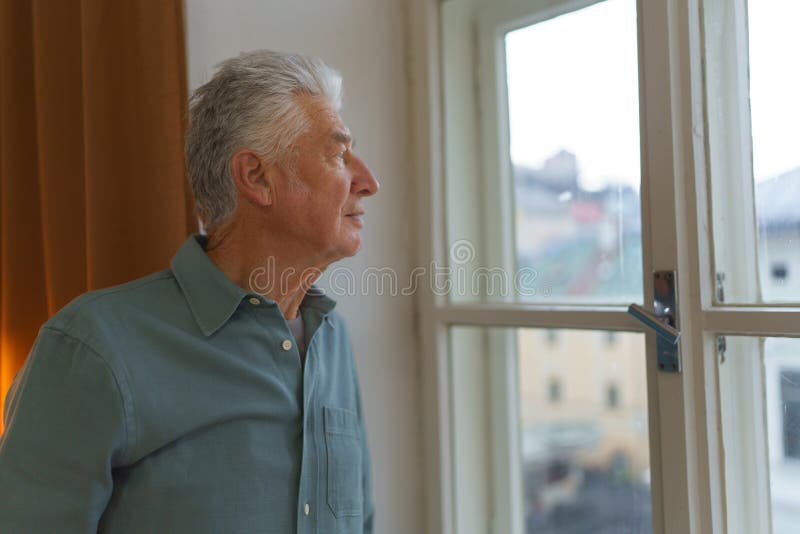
pixel 343 448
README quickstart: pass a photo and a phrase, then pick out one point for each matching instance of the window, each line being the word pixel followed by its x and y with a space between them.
pixel 574 151
pixel 790 397
pixel 611 339
pixel 552 337
pixel 754 174
pixel 760 390
pixel 554 391
pixel 574 148
pixel 581 466
pixel 612 397
pixel 754 113
pixel 780 272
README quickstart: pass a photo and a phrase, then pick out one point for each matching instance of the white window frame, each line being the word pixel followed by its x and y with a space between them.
pixel 687 456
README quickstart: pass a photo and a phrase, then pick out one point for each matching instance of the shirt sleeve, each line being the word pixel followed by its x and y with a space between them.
pixel 65 429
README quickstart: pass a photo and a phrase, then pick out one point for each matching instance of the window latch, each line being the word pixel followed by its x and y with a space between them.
pixel 664 321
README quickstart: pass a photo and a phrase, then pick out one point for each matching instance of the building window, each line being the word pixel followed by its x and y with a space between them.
pixel 611 338
pixel 790 396
pixel 612 397
pixel 552 336
pixel 554 391
pixel 780 271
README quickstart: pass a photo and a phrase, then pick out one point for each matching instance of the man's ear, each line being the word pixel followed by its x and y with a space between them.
pixel 253 178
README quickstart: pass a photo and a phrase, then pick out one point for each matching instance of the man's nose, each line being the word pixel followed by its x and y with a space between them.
pixel 364 182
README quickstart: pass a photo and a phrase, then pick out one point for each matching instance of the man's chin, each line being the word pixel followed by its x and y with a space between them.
pixel 351 248
pixel 345 250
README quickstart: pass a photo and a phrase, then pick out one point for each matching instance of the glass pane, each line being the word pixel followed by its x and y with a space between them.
pixel 754 137
pixel 581 425
pixel 541 142
pixel 574 146
pixel 760 400
pixel 775 109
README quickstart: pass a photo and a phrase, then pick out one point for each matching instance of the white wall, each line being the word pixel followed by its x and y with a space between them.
pixel 363 39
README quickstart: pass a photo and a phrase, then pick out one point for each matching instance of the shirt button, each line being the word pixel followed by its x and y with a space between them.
pixel 307 509
pixel 254 301
pixel 286 344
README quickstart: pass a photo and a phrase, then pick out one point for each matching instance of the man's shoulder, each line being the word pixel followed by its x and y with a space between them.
pixel 339 324
pixel 113 303
pixel 336 319
pixel 340 337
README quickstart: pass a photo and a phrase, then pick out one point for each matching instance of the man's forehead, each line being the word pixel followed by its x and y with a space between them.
pixel 319 108
pixel 326 119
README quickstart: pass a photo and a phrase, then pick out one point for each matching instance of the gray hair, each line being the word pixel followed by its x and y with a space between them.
pixel 249 103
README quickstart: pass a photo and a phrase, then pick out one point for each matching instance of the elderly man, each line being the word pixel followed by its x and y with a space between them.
pixel 219 395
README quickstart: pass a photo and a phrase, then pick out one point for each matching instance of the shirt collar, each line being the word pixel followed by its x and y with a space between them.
pixel 213 297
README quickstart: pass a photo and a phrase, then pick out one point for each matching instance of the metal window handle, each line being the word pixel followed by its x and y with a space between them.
pixel 664 321
pixel 662 329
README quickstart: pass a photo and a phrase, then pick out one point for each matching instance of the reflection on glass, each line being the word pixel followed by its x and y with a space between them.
pixel 574 141
pixel 775 117
pixel 584 437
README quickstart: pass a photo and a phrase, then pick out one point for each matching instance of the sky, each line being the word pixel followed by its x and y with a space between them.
pixel 573 85
pixel 774 85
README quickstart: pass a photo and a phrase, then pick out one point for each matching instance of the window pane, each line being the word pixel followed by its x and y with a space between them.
pixel 585 458
pixel 581 424
pixel 754 135
pixel 790 398
pixel 760 400
pixel 541 149
pixel 574 147
pixel 775 108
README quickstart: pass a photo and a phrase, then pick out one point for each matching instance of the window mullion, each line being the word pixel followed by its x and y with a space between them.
pixel 671 96
pixel 521 315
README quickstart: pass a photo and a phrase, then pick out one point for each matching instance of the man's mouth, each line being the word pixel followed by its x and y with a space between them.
pixel 358 217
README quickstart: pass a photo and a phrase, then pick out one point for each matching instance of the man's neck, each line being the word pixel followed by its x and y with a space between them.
pixel 277 270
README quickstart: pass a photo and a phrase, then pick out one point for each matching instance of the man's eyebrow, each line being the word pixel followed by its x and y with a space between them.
pixel 341 137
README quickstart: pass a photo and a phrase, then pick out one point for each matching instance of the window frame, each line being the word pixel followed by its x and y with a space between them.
pixel 690 495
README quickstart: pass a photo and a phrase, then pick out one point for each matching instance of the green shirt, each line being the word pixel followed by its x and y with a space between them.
pixel 178 403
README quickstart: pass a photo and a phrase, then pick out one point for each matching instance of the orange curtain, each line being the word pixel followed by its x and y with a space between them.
pixel 92 184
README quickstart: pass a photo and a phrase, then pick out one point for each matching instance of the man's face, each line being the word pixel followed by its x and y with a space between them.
pixel 322 204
